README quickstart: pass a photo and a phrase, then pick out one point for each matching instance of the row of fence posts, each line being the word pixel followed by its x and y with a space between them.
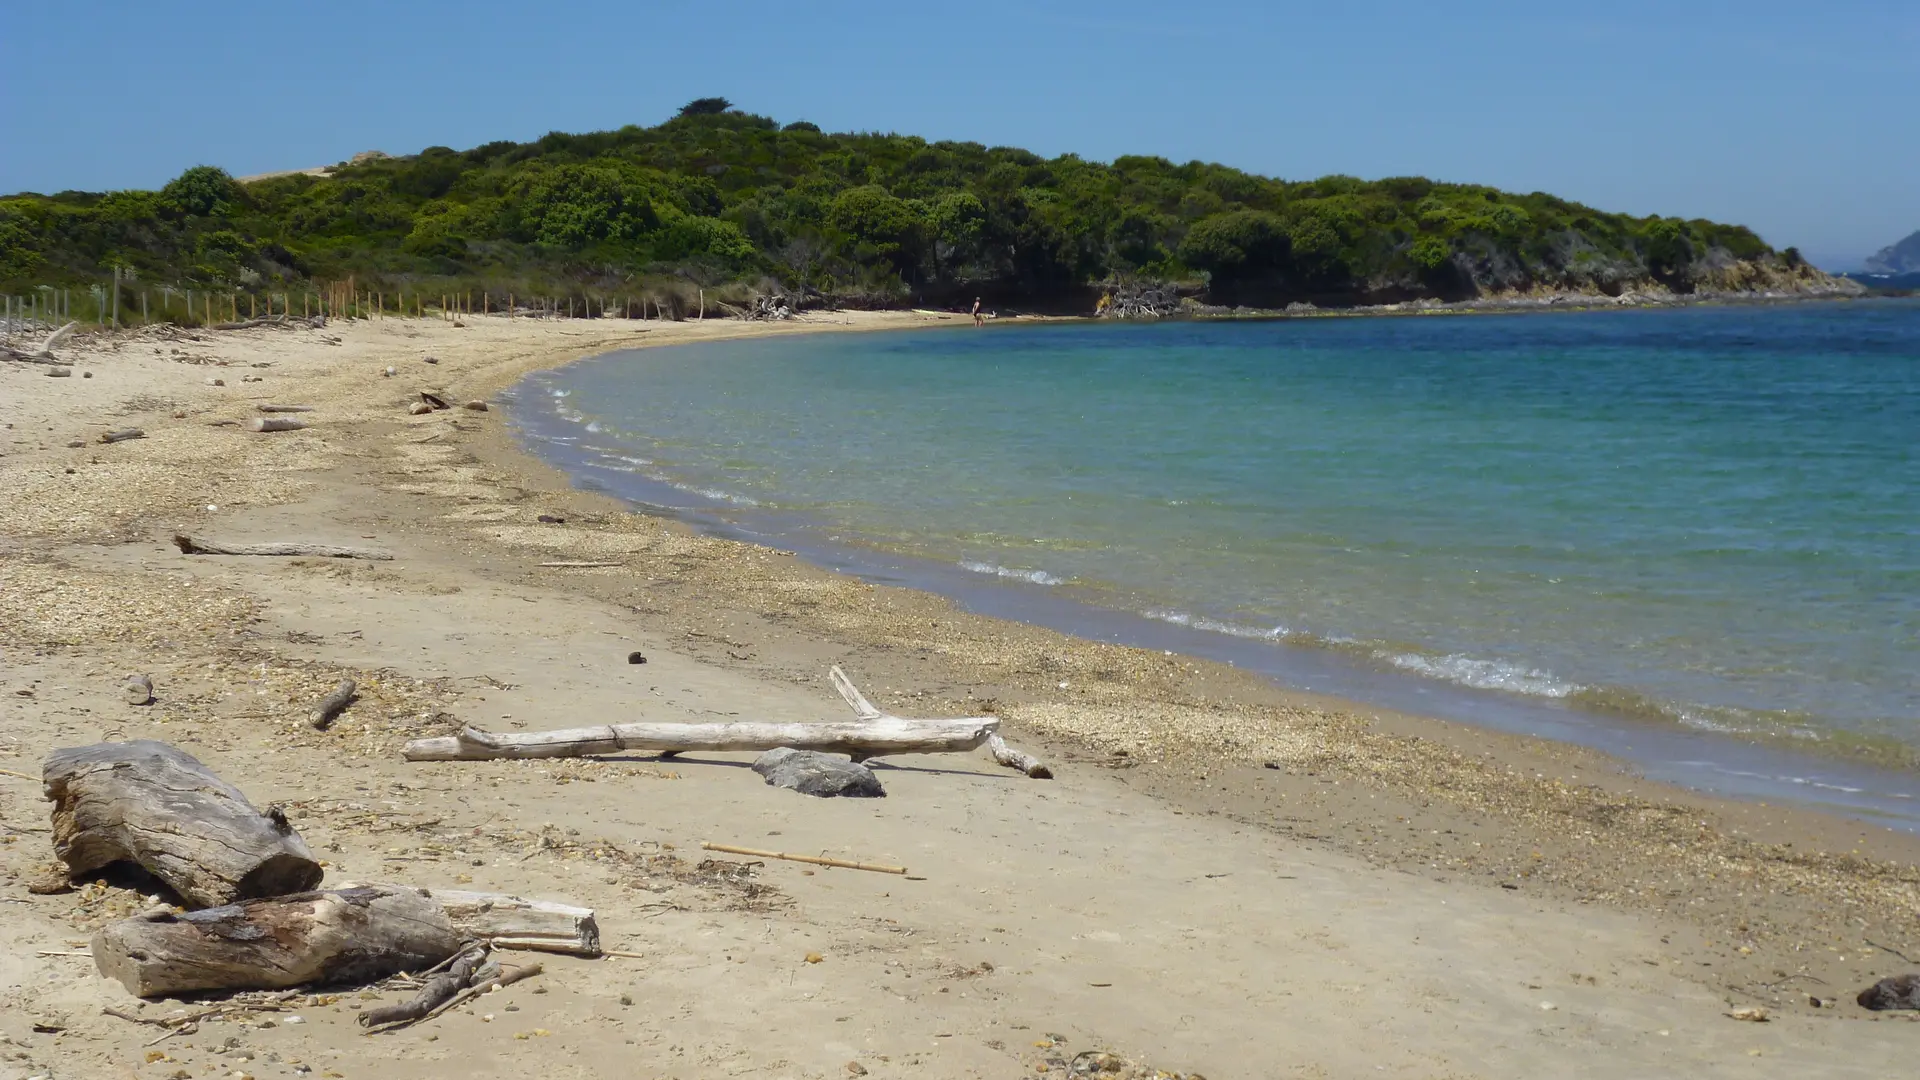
pixel 50 306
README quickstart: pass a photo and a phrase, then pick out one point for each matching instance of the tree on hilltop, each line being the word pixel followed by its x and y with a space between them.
pixel 706 106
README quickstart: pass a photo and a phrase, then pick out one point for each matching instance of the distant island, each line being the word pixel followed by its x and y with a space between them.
pixel 1900 258
pixel 730 203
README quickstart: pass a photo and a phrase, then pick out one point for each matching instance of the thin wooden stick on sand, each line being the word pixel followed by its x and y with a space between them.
pixel 817 860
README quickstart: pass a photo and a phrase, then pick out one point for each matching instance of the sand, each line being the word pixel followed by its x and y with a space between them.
pixel 1224 879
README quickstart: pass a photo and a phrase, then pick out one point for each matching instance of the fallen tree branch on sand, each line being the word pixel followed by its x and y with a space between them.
pixel 189 546
pixel 356 933
pixel 872 733
pixel 816 860
pixel 331 706
pixel 158 807
pixel 41 355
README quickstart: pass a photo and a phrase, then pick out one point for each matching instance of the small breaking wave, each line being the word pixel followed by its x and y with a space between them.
pixel 1482 674
pixel 1201 622
pixel 1036 577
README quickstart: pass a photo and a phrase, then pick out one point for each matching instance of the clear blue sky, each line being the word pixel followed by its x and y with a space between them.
pixel 1796 118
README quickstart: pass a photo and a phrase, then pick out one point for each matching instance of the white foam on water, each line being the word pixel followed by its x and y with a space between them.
pixel 1482 674
pixel 1037 577
pixel 594 427
pixel 561 393
pixel 1200 622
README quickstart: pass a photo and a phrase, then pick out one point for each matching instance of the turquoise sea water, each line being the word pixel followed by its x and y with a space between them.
pixel 1704 518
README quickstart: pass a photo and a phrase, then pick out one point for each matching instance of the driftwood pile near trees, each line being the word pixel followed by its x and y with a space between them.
pixel 1139 300
pixel 281 322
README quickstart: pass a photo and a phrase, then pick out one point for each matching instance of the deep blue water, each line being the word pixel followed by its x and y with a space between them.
pixel 1703 518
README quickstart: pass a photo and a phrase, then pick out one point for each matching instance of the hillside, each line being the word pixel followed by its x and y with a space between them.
pixel 1900 258
pixel 715 195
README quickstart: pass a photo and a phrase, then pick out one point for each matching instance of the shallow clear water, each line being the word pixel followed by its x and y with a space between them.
pixel 1703 516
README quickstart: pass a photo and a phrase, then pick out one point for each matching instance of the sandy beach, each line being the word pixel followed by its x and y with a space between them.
pixel 1224 878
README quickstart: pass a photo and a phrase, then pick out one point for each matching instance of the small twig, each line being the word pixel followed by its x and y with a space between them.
pixel 1895 952
pixel 21 775
pixel 817 860
pixel 61 952
pixel 624 954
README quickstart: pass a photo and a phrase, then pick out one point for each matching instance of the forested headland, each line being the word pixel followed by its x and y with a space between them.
pixel 716 196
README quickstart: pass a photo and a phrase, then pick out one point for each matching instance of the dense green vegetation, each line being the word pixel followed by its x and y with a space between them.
pixel 715 195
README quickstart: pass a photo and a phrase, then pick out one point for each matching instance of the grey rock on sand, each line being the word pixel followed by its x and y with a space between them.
pixel 810 772
pixel 1897 992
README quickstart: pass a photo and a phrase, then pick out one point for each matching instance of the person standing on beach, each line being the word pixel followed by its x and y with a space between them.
pixel 978 319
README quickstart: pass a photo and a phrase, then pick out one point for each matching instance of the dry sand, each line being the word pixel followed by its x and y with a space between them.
pixel 1225 879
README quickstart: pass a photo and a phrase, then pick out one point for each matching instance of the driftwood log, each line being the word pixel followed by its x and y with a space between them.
pixel 189 546
pixel 123 435
pixel 332 705
pixel 139 689
pixel 357 933
pixel 158 807
pixel 872 733
pixel 275 423
pixel 285 408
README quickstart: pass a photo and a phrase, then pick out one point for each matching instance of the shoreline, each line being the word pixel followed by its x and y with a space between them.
pixel 1865 777
pixel 1743 890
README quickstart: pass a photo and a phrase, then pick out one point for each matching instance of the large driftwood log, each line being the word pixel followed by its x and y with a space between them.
pixel 357 933
pixel 872 733
pixel 189 546
pixel 275 423
pixel 155 805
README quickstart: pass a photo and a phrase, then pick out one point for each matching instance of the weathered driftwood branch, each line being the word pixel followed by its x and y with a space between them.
pixel 816 860
pixel 123 435
pixel 872 733
pixel 1016 759
pixel 285 408
pixel 43 354
pixel 189 546
pixel 155 805
pixel 276 423
pixel 332 705
pixel 357 933
pixel 435 992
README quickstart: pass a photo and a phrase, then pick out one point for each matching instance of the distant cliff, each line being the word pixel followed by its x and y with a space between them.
pixel 1900 258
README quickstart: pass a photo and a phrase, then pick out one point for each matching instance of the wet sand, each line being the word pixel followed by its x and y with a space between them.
pixel 1225 877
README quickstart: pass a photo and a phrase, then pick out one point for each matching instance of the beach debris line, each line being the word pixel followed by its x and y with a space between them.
pixel 160 808
pixel 814 860
pixel 331 706
pixel 354 933
pixel 810 772
pixel 872 733
pixel 190 546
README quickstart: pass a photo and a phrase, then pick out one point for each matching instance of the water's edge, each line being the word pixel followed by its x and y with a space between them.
pixel 1711 763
